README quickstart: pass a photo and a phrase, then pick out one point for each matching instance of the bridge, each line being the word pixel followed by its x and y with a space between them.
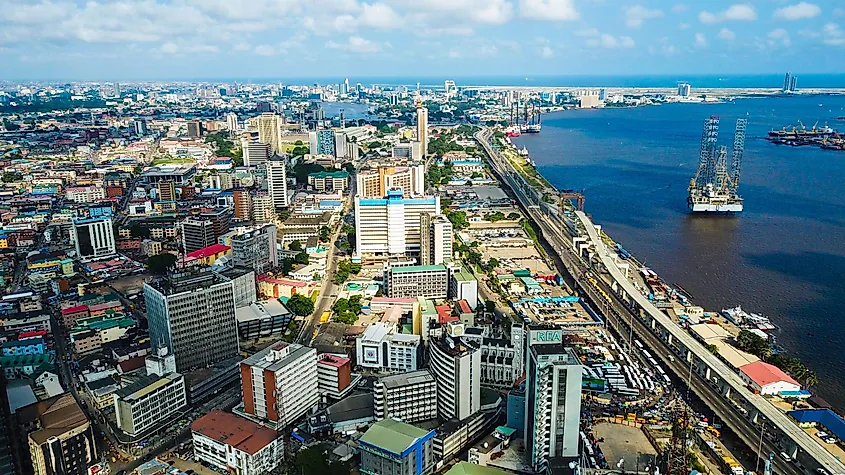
pixel 759 424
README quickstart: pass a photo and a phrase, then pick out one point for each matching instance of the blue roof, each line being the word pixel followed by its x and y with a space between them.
pixel 829 419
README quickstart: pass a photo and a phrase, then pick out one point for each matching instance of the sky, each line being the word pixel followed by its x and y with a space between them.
pixel 254 39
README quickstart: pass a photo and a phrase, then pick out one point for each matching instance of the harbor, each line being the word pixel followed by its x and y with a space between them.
pixel 824 137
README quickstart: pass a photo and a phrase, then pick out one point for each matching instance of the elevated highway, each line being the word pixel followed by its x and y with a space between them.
pixel 761 426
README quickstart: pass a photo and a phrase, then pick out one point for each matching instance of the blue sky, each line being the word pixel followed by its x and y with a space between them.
pixel 164 39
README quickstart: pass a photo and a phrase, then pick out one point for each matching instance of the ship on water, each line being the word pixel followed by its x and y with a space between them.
pixel 524 120
pixel 713 189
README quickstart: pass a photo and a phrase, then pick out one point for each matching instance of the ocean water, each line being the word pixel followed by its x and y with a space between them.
pixel 784 256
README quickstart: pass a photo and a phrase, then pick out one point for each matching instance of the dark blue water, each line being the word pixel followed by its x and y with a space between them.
pixel 783 257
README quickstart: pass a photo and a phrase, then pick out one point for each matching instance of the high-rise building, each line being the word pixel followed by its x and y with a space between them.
pixel 256 249
pixel 391 226
pixel 255 152
pixel 793 84
pixel 787 81
pixel 280 383
pixel 322 142
pixel 194 128
pixel 422 128
pixel 552 397
pixel 277 184
pixel 242 204
pixel 196 234
pixel 429 281
pixel 683 90
pixel 375 183
pixel 240 445
pixel 149 402
pixel 409 397
pixel 449 87
pixel 93 237
pixel 435 239
pixel 140 126
pixel 193 314
pixel 63 442
pixel 270 131
pixel 456 367
pixel 166 190
pixel 232 123
pixel 262 207
pixel 334 375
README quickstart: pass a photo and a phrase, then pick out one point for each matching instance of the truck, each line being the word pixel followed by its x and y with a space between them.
pixel 324 318
pixel 734 468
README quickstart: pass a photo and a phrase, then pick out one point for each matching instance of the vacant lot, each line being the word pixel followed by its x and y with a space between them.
pixel 622 442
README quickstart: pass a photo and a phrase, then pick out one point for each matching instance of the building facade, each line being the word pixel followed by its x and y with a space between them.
pixel 376 182
pixel 256 249
pixel 61 440
pixel 435 239
pixel 422 129
pixel 197 234
pixel 407 397
pixel 431 282
pixel 391 447
pixel 255 153
pixel 381 348
pixel 270 131
pixel 277 186
pixel 93 238
pixel 242 446
pixel 149 402
pixel 456 367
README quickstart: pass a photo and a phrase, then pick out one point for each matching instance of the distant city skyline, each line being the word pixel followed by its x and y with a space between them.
pixel 171 39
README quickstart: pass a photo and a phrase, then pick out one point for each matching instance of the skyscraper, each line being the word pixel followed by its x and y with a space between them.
pixel 456 367
pixel 391 226
pixel 194 128
pixel 277 185
pixel 684 89
pixel 256 249
pixel 270 131
pixel 422 128
pixel 787 81
pixel 93 237
pixel 322 142
pixel 232 122
pixel 193 314
pixel 254 152
pixel 449 87
pixel 552 397
pixel 435 239
pixel 197 234
pixel 242 203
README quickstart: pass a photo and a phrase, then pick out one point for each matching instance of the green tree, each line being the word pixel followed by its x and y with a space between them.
pixel 301 258
pixel 300 305
pixel 493 217
pixel 324 233
pixel 512 216
pixel 355 304
pixel 458 219
pixel 11 177
pixel 712 348
pixel 302 170
pixel 295 245
pixel 754 344
pixel 341 305
pixel 315 461
pixel 284 215
pixel 490 306
pixel 161 263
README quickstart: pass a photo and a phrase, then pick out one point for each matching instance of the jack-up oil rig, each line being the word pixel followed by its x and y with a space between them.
pixel 714 187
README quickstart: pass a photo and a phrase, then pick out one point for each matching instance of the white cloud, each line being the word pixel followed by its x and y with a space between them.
pixel 833 35
pixel 680 8
pixel 587 32
pixel 455 54
pixel 779 36
pixel 800 11
pixel 379 15
pixel 683 26
pixel 636 15
pixel 435 13
pixel 605 40
pixel 265 50
pixel 662 47
pixel 700 40
pixel 547 52
pixel 726 34
pixel 839 12
pixel 356 44
pixel 737 12
pixel 552 10
pixel 242 46
pixel 171 47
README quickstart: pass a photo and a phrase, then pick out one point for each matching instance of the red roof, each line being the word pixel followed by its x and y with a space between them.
pixel 33 334
pixel 288 282
pixel 208 251
pixel 78 308
pixel 763 374
pixel 463 306
pixel 444 314
pixel 132 364
pixel 234 431
pixel 331 360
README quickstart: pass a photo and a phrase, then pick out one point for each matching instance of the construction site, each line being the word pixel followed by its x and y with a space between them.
pixel 714 187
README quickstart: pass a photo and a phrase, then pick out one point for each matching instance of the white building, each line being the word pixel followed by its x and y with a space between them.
pixel 334 375
pixel 391 226
pixel 93 237
pixel 149 402
pixel 376 182
pixel 242 446
pixel 767 379
pixel 381 348
pixel 431 282
pixel 463 286
pixel 255 248
pixel 277 186
pixel 280 383
pixel 435 239
pixel 254 152
pixel 407 397
pixel 270 131
pixel 232 122
pixel 456 366
pixel 85 194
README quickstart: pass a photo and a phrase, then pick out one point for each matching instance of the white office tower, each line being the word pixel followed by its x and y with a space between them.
pixel 277 186
pixel 684 89
pixel 552 397
pixel 280 383
pixel 407 397
pixel 193 314
pixel 391 226
pixel 254 152
pixel 422 128
pixel 456 367
pixel 256 248
pixel 270 131
pixel 232 123
pixel 93 238
pixel 436 239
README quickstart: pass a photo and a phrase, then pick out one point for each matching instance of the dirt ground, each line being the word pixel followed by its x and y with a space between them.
pixel 622 442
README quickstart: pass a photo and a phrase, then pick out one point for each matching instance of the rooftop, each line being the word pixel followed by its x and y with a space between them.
pixel 406 379
pixel 146 385
pixel 207 251
pixel 278 355
pixel 332 360
pixel 408 269
pixel 763 373
pixel 58 416
pixel 392 435
pixel 234 431
pixel 466 468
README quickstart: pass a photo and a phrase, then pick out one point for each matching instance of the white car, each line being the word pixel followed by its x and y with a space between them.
pixel 821 434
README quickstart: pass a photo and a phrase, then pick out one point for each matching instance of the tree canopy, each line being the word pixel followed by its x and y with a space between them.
pixel 161 263
pixel 300 305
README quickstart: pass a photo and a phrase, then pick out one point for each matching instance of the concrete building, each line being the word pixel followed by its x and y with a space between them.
pixel 410 151
pixel 391 447
pixel 422 129
pixel 322 142
pixel 408 397
pixel 329 181
pixel 93 238
pixel 767 379
pixel 262 207
pixel 256 249
pixel 380 347
pixel 456 366
pixel 391 226
pixel 270 131
pixel 277 185
pixel 463 286
pixel 280 383
pixel 435 239
pixel 149 402
pixel 194 128
pixel 240 445
pixel 61 439
pixel 242 204
pixel 166 190
pixel 334 375
pixel 376 182
pixel 193 314
pixel 197 234
pixel 232 123
pixel 431 282
pixel 255 153
pixel 552 398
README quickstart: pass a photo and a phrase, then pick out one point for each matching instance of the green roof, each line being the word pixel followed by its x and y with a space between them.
pixel 404 269
pixel 340 174
pixel 392 435
pixel 25 360
pixel 463 275
pixel 466 468
pixel 427 307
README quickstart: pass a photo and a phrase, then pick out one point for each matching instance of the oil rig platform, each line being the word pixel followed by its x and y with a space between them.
pixel 714 187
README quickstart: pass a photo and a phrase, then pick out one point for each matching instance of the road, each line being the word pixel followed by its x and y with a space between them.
pixel 577 268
